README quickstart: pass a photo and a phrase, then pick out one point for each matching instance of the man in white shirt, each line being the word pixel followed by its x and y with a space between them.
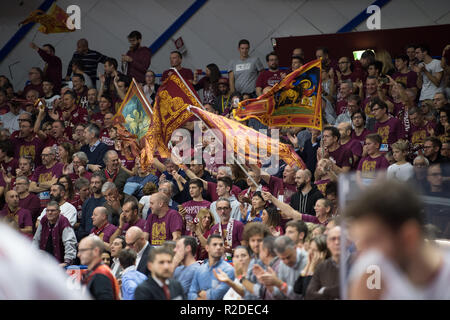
pixel 135 240
pixel 429 73
pixel 58 193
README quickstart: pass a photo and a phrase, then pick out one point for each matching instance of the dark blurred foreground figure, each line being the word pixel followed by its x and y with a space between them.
pixel 395 261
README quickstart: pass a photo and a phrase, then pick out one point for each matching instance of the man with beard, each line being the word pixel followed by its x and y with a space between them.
pixel 94 148
pixel 282 188
pixel 138 58
pixel 27 143
pixel 269 78
pixel 223 101
pixel 346 141
pixel 307 193
pixel 202 287
pixel 387 224
pixel 389 128
pixel 96 200
pixel 57 194
pixel 160 285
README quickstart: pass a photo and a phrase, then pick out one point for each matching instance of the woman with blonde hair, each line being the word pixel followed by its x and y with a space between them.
pixel 202 225
pixel 384 56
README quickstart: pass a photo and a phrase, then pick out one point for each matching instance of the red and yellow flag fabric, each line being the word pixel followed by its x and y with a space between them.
pixel 169 113
pixel 245 142
pixel 294 102
pixel 55 21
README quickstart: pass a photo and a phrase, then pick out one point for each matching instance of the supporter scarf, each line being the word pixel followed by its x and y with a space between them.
pixel 98 231
pixel 13 216
pixel 108 177
pixel 229 237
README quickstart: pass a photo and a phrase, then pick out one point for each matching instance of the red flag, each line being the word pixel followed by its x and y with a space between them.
pixel 246 142
pixel 294 102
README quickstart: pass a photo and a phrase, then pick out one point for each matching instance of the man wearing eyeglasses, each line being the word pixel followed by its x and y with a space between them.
pixel 389 128
pixel 46 175
pixel 99 280
pixel 55 235
pixel 135 240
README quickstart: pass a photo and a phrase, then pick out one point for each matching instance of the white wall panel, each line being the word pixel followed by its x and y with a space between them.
pixel 211 35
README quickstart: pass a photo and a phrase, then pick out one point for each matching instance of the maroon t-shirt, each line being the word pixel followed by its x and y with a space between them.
pixel 126 162
pixel 362 137
pixel 104 232
pixel 268 78
pixel 33 204
pixel 409 79
pixel 187 74
pixel 341 106
pixel 140 223
pixel 368 166
pixel 43 174
pixel 192 207
pixel 11 166
pixel 104 137
pixel 161 229
pixel 140 64
pixel 31 148
pixel 342 157
pixel 277 187
pixel 37 87
pixel 78 116
pixel 355 147
pixel 4 108
pixel 23 217
pixel 238 230
pixel 417 135
pixel 98 118
pixel 390 131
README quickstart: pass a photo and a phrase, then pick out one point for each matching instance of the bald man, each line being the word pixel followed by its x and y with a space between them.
pixel 102 228
pixel 307 193
pixel 346 141
pixel 18 217
pixel 89 58
pixel 135 239
pixel 164 223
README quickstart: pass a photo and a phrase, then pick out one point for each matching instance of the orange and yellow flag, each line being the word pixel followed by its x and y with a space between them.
pixel 294 102
pixel 169 113
pixel 247 143
pixel 55 21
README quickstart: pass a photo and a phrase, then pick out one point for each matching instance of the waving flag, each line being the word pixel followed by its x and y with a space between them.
pixel 132 120
pixel 169 113
pixel 293 102
pixel 53 22
pixel 246 142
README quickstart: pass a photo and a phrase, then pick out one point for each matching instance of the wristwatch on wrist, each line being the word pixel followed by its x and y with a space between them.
pixel 242 279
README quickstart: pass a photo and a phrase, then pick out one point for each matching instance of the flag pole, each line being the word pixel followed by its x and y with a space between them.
pixel 184 82
pixel 142 96
pixel 234 159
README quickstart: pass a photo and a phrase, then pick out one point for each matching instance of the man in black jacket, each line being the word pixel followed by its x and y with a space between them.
pixel 160 285
pixel 307 195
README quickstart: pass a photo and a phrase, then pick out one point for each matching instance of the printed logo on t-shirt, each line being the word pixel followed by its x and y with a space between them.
pixel 158 233
pixel 243 66
pixel 368 169
pixel 27 151
pixel 384 133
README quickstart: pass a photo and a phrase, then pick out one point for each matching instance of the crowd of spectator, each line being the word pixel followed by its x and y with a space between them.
pixel 204 230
